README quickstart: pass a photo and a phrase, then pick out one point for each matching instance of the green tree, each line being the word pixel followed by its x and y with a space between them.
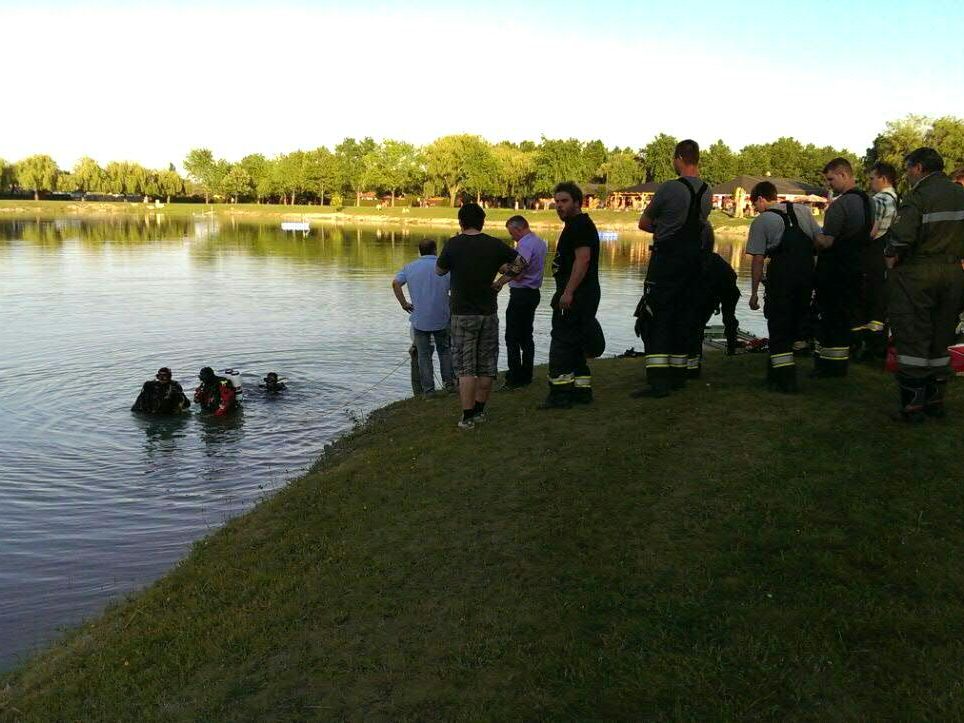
pixel 38 173
pixel 594 155
pixel 291 174
pixel 657 158
pixel 321 172
pixel 898 139
pixel 350 155
pixel 558 160
pixel 7 176
pixel 622 169
pixel 717 164
pixel 447 161
pixel 259 171
pixel 753 160
pixel 946 136
pixel 481 171
pixel 202 169
pixel 514 172
pixel 397 165
pixel 88 176
pixel 169 184
pixel 236 183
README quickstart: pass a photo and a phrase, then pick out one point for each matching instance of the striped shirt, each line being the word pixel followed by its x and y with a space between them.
pixel 885 210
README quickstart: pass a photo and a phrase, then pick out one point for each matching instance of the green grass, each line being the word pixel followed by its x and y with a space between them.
pixel 494 216
pixel 722 554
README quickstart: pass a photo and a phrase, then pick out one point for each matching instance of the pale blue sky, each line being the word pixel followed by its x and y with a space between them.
pixel 148 81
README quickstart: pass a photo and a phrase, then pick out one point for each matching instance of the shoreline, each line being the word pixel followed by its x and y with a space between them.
pixel 437 217
pixel 607 579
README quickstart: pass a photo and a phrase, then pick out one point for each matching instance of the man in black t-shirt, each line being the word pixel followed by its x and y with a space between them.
pixel 474 259
pixel 576 335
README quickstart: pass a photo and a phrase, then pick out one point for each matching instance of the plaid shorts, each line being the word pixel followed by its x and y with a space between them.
pixel 475 345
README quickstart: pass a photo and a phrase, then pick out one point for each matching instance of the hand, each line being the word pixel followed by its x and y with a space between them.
pixel 497 286
pixel 565 301
pixel 891 261
pixel 408 306
pixel 754 302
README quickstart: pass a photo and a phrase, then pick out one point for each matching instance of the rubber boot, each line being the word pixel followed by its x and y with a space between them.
pixel 560 397
pixel 582 390
pixel 934 398
pixel 694 367
pixel 783 379
pixel 677 378
pixel 657 384
pixel 912 399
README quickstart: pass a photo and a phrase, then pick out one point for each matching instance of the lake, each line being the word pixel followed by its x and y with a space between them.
pixel 96 501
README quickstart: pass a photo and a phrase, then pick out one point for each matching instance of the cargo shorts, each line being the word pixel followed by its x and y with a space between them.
pixel 475 345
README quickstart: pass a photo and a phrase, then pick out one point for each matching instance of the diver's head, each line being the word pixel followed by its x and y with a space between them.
pixel 163 375
pixel 207 375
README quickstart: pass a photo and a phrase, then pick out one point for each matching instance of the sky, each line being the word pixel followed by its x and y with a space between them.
pixel 147 82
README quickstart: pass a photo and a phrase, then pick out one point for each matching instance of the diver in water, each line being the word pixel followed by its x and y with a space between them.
pixel 216 394
pixel 272 384
pixel 162 396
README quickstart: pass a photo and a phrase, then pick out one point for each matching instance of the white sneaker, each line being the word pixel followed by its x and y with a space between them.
pixel 479 418
pixel 467 423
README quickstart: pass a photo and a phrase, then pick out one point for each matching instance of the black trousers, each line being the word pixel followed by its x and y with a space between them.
pixel 519 345
pixel 671 293
pixel 786 307
pixel 576 336
pixel 837 298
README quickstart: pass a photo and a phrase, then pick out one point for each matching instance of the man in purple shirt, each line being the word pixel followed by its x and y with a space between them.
pixel 523 300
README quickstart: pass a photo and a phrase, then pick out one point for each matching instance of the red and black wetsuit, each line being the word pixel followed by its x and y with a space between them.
pixel 219 397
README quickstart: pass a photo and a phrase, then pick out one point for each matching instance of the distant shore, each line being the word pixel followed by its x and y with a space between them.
pixel 345 215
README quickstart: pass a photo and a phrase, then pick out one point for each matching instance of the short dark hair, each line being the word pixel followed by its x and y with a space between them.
pixel 427 246
pixel 570 187
pixel 471 215
pixel 839 164
pixel 885 170
pixel 517 221
pixel 688 151
pixel 929 159
pixel 958 175
pixel 764 189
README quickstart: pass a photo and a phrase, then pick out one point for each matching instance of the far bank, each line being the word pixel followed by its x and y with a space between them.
pixel 365 215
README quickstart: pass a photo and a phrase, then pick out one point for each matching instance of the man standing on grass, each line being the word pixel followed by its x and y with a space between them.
pixel 524 299
pixel 677 217
pixel 783 233
pixel 473 259
pixel 576 335
pixel 846 233
pixel 925 285
pixel 429 309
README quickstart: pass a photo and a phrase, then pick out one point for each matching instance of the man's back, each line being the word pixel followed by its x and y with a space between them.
pixel 670 206
pixel 430 293
pixel 473 260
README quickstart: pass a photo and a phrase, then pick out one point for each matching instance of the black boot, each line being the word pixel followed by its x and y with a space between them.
pixel 560 397
pixel 694 368
pixel 912 399
pixel 783 379
pixel 677 378
pixel 582 395
pixel 934 398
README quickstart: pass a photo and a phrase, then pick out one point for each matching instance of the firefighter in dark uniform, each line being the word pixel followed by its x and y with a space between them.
pixel 576 335
pixel 925 286
pixel 716 293
pixel 784 233
pixel 676 217
pixel 846 233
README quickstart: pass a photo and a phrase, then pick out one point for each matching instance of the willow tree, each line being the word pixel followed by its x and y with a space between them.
pixel 38 173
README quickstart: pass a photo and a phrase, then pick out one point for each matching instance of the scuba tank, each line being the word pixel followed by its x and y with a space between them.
pixel 234 376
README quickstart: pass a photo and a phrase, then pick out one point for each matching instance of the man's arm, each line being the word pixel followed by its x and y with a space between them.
pixel 579 268
pixel 832 225
pixel 510 270
pixel 904 233
pixel 400 295
pixel 756 276
pixel 646 222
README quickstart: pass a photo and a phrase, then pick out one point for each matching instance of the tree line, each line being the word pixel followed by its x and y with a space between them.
pixel 464 165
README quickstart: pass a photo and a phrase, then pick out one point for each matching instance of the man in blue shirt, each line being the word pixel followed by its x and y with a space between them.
pixel 429 311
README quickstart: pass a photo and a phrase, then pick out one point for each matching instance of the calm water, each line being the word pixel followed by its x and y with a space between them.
pixel 95 501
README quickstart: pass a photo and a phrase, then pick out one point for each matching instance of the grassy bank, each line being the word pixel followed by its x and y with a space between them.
pixel 619 220
pixel 724 553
